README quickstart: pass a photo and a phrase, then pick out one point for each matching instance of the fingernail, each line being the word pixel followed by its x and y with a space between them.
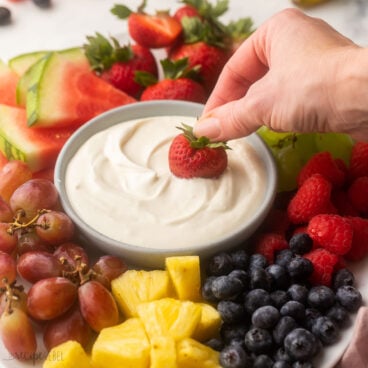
pixel 209 127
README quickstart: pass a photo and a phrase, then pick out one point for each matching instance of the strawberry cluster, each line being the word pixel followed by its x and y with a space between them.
pixel 331 206
pixel 195 44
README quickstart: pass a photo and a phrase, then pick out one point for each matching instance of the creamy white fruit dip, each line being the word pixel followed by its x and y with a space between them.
pixel 119 183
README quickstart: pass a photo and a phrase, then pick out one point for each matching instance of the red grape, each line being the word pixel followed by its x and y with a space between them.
pixel 37 265
pixel 97 305
pixel 34 195
pixel 8 269
pixel 55 227
pixel 28 241
pixel 50 298
pixel 8 242
pixel 108 268
pixel 17 334
pixel 69 326
pixel 12 175
pixel 70 255
pixel 6 214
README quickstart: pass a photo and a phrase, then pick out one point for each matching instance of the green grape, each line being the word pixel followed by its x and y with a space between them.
pixel 338 144
pixel 274 139
pixel 305 145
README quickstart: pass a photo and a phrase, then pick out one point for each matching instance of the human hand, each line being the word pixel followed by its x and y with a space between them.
pixel 295 73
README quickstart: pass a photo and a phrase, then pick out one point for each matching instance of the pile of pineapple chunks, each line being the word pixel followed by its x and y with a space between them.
pixel 164 323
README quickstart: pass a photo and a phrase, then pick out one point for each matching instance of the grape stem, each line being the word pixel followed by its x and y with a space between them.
pixel 17 224
pixel 10 295
pixel 80 274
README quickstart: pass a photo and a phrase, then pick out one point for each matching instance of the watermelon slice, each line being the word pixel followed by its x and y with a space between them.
pixel 8 85
pixel 37 147
pixel 21 63
pixel 67 95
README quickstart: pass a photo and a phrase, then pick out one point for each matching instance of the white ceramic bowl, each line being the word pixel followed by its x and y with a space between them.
pixel 148 257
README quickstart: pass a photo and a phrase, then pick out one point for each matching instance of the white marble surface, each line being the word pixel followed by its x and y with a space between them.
pixel 68 22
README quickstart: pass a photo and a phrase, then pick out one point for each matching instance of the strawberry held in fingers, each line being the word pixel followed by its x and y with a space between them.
pixel 151 31
pixel 192 157
pixel 118 64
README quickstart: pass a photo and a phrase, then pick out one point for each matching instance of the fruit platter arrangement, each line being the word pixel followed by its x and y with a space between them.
pixel 281 299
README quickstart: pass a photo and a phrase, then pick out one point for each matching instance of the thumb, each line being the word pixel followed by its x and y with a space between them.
pixel 235 119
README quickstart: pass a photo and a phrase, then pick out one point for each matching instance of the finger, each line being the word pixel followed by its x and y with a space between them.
pixel 246 66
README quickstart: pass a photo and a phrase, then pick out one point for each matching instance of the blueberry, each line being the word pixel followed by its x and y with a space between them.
pixel 279 298
pixel 231 331
pixel 258 341
pixel 242 275
pixel 284 326
pixel 215 344
pixel 265 317
pixel 230 311
pixel 5 15
pixel 339 315
pixel 240 259
pixel 300 243
pixel 321 297
pixel 257 260
pixel 220 264
pixel 262 361
pixel 260 279
pixel 281 364
pixel 349 297
pixel 300 364
pixel 293 309
pixel 233 356
pixel 282 355
pixel 342 277
pixel 300 268
pixel 283 257
pixel 42 3
pixel 300 344
pixel 298 292
pixel 206 291
pixel 326 330
pixel 279 277
pixel 256 298
pixel 225 287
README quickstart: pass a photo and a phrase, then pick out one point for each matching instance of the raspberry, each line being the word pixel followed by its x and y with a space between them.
pixel 322 163
pixel 311 199
pixel 341 202
pixel 325 264
pixel 331 232
pixel 359 160
pixel 268 244
pixel 358 194
pixel 277 221
pixel 359 246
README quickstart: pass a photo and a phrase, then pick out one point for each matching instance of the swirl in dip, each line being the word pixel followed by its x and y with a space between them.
pixel 119 183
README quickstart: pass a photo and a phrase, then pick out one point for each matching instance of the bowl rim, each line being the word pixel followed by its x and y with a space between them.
pixel 148 109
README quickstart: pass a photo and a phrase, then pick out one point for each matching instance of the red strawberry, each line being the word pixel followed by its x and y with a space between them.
pixel 269 243
pixel 191 157
pixel 322 163
pixel 151 31
pixel 311 199
pixel 211 60
pixel 359 160
pixel 186 11
pixel 325 264
pixel 358 194
pixel 177 83
pixel 359 246
pixel 331 232
pixel 118 64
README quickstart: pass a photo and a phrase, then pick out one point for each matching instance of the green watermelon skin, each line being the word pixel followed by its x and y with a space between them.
pixel 8 84
pixel 38 148
pixel 68 95
pixel 21 63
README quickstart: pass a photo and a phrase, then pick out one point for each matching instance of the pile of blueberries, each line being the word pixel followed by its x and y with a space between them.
pixel 272 316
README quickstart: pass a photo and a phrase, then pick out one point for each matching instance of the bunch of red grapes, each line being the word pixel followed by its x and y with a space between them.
pixel 67 296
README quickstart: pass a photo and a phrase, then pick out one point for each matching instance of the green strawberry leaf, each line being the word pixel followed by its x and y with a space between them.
pixel 145 79
pixel 121 11
pixel 241 29
pixel 175 69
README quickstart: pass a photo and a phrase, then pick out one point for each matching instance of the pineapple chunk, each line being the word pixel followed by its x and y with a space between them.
pixel 193 354
pixel 124 345
pixel 67 355
pixel 163 352
pixel 135 287
pixel 185 275
pixel 209 324
pixel 169 317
